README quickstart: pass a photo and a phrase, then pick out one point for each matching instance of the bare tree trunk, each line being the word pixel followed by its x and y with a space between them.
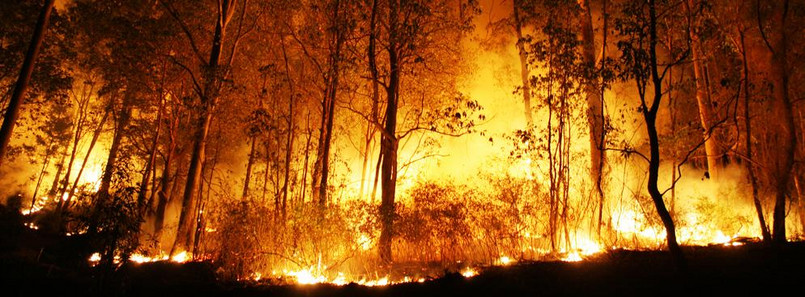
pixel 165 188
pixel 650 116
pixel 390 142
pixel 291 129
pixel 209 97
pixel 307 159
pixel 268 167
pixel 121 125
pixel 785 137
pixel 524 72
pixel 42 173
pixel 706 112
pixel 54 187
pixel 252 153
pixel 750 166
pixel 20 88
pixel 372 54
pixel 189 200
pixel 150 164
pixel 595 109
pixel 95 136
pixel 80 121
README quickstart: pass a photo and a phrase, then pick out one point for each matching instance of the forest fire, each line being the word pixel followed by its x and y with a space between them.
pixel 384 142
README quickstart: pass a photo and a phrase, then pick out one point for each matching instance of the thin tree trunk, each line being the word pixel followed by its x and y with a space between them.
pixel 650 116
pixel 111 160
pixel 94 140
pixel 54 187
pixel 77 135
pixel 268 167
pixel 307 159
pixel 372 53
pixel 785 136
pixel 150 164
pixel 252 153
pixel 291 129
pixel 165 189
pixel 20 88
pixel 390 141
pixel 41 174
pixel 208 101
pixel 750 166
pixel 595 110
pixel 524 72
pixel 706 113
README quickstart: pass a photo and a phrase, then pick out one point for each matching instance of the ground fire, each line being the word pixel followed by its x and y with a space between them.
pixel 260 145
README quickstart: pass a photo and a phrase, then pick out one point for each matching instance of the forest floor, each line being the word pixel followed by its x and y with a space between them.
pixel 750 269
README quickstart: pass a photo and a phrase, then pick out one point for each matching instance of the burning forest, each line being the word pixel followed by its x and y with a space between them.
pixel 269 144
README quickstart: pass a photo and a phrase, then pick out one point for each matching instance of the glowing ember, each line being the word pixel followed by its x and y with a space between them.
pixel 139 258
pixel 469 272
pixel 305 277
pixel 180 257
pixel 572 257
pixel 504 260
pixel 95 258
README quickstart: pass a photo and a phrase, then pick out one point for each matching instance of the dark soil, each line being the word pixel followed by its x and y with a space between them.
pixel 36 265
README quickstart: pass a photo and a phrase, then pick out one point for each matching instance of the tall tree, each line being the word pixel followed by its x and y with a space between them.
pixel 595 103
pixel 641 64
pixel 707 113
pixel 784 141
pixel 20 88
pixel 208 92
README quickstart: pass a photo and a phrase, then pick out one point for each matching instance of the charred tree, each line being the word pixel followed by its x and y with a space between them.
pixel 389 142
pixel 639 27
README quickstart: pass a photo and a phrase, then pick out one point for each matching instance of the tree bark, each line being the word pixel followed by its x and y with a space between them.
pixel 20 88
pixel 389 140
pixel 524 72
pixel 706 112
pixel 252 153
pixel 291 129
pixel 121 125
pixel 209 97
pixel 650 116
pixel 94 140
pixel 150 163
pixel 750 166
pixel 595 109
pixel 784 140
pixel 165 187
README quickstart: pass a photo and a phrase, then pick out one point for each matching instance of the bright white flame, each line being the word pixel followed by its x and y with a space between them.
pixel 365 242
pixel 305 277
pixel 95 257
pixel 572 257
pixel 469 272
pixel 505 260
pixel 180 257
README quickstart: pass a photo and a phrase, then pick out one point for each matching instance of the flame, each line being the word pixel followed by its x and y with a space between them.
pixel 180 257
pixel 95 258
pixel 572 257
pixel 504 260
pixel 469 272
